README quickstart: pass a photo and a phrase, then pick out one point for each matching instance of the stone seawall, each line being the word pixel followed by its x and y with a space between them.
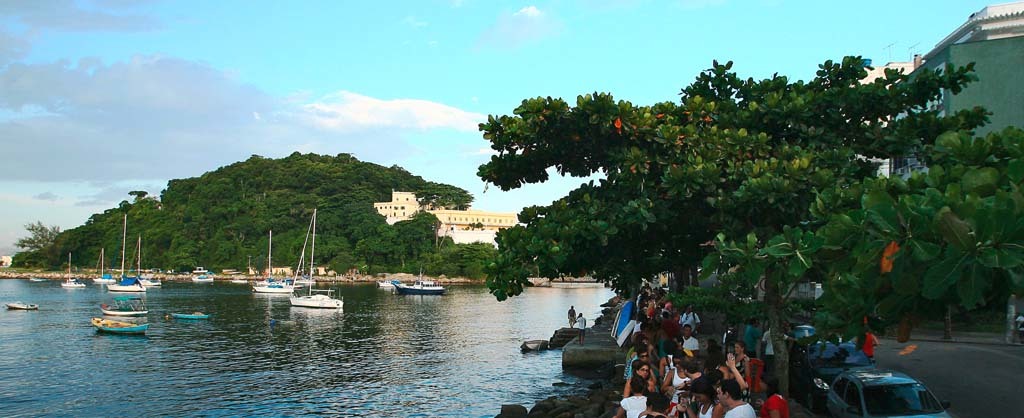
pixel 404 277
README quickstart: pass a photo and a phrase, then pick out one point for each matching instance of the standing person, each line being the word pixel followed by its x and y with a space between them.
pixel 581 323
pixel 572 316
pixel 729 396
pixel 690 317
pixel 752 336
pixel 1020 327
pixel 689 342
pixel 870 342
pixel 775 406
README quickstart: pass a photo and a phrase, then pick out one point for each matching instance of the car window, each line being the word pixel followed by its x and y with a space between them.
pixel 831 355
pixel 852 397
pixel 901 399
pixel 839 387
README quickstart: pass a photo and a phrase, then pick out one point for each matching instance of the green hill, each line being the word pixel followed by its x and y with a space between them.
pixel 221 219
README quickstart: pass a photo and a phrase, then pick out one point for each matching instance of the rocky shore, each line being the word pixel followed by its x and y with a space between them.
pixel 359 278
pixel 599 358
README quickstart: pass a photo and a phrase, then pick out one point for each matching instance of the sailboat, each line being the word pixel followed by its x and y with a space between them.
pixel 147 280
pixel 270 285
pixel 71 282
pixel 104 278
pixel 315 298
pixel 127 284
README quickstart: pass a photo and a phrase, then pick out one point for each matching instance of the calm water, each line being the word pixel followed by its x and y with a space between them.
pixel 385 355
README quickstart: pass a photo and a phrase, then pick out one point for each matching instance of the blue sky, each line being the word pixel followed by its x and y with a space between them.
pixel 101 97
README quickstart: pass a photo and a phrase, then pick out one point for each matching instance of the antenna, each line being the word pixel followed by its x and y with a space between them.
pixel 910 50
pixel 889 49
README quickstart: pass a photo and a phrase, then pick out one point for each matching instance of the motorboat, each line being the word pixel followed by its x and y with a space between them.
pixel 193 315
pixel 200 271
pixel 419 287
pixel 22 306
pixel 150 282
pixel 125 306
pixel 202 278
pixel 387 284
pixel 118 327
pixel 37 279
pixel 72 282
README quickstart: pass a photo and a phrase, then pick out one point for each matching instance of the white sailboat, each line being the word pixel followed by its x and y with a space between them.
pixel 127 284
pixel 147 280
pixel 315 298
pixel 269 285
pixel 104 278
pixel 71 282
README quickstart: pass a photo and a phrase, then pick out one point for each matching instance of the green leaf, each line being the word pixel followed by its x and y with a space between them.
pixel 940 277
pixel 923 250
pixel 1015 170
pixel 972 286
pixel 1004 257
pixel 982 181
pixel 881 210
pixel 956 232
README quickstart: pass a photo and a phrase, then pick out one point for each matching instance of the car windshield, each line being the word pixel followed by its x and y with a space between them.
pixel 902 399
pixel 842 355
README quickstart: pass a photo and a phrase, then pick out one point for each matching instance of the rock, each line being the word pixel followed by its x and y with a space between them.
pixel 512 411
pixel 543 406
pixel 557 384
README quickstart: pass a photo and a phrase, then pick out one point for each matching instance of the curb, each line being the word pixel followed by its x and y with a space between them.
pixel 957 341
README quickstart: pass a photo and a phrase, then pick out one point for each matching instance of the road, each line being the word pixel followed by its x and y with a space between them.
pixel 979 380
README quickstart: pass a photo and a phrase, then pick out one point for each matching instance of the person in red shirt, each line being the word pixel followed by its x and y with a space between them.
pixel 870 341
pixel 774 406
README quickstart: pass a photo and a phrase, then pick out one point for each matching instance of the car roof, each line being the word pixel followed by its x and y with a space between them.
pixel 879 377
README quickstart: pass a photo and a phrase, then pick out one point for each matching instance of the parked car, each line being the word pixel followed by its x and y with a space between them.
pixel 882 393
pixel 814 366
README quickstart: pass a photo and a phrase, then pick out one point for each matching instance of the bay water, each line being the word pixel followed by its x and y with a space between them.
pixel 382 355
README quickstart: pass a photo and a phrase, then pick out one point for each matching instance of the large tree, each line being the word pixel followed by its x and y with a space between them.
pixel 737 158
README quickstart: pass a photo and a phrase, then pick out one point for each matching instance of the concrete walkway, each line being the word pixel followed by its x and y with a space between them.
pixel 964 337
pixel 598 349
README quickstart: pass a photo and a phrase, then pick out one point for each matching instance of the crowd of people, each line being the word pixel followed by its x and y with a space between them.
pixel 669 373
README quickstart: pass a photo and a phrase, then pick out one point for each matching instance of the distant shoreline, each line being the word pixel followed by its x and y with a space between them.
pixel 362 278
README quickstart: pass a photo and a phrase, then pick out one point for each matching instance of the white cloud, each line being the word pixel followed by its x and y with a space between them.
pixel 516 29
pixel 48 196
pixel 69 15
pixel 346 111
pixel 414 22
pixel 528 11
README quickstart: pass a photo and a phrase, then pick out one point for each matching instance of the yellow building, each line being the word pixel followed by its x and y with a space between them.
pixel 463 226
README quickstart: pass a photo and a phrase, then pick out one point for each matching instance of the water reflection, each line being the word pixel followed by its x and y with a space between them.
pixel 453 355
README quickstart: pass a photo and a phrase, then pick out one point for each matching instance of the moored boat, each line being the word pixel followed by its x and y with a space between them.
pixel 202 278
pixel 118 327
pixel 194 315
pixel 105 278
pixel 37 279
pixel 22 306
pixel 420 287
pixel 72 282
pixel 127 284
pixel 125 306
pixel 387 284
pixel 271 285
pixel 314 298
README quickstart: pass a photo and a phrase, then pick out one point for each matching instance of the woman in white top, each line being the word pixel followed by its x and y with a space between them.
pixel 676 381
pixel 707 405
pixel 633 405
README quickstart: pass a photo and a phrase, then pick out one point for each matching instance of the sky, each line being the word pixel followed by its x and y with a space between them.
pixel 102 97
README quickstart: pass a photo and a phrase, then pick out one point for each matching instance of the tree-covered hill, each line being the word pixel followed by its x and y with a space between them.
pixel 221 219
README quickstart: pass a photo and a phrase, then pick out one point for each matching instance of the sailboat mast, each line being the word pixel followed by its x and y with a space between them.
pixel 312 249
pixel 138 260
pixel 101 262
pixel 124 242
pixel 69 266
pixel 270 249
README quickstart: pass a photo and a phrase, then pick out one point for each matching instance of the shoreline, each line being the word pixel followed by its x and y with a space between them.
pixel 356 279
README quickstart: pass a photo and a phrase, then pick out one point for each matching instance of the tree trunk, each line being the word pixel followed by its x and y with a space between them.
pixel 1011 315
pixel 774 302
pixel 947 328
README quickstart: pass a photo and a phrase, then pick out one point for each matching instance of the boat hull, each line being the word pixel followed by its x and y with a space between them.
pixel 273 288
pixel 117 327
pixel 151 283
pixel 190 316
pixel 405 290
pixel 385 285
pixel 128 289
pixel 318 303
pixel 116 312
pixel 72 285
pixel 22 306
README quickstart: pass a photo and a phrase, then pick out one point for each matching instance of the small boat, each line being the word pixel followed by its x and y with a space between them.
pixel 202 278
pixel 22 306
pixel 72 282
pixel 200 271
pixel 150 282
pixel 118 327
pixel 193 315
pixel 420 287
pixel 305 281
pixel 125 306
pixel 271 285
pixel 321 300
pixel 127 284
pixel 37 279
pixel 387 284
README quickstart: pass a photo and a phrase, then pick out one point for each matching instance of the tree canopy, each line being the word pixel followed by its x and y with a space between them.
pixel 221 219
